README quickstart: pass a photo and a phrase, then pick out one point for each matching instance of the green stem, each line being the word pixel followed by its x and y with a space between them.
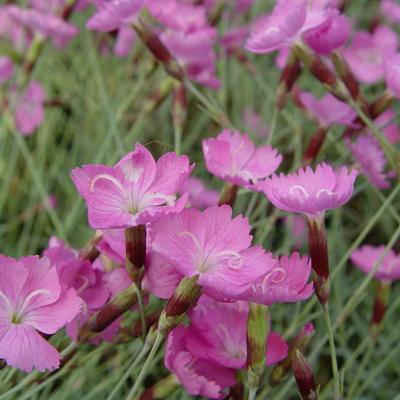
pixel 135 362
pixel 146 365
pixel 333 352
pixel 252 394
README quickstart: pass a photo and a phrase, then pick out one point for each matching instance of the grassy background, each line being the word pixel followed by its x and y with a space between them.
pixel 107 98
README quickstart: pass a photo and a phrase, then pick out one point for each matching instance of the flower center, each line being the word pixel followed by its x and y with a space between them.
pixel 207 259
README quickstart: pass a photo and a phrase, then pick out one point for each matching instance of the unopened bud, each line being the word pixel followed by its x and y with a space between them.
pixel 300 342
pixel 135 245
pixel 185 297
pixel 257 333
pixel 315 145
pixel 228 194
pixel 380 305
pixel 304 376
pixel 318 248
pixel 289 75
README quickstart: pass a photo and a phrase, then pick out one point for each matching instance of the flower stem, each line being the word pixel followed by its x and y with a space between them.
pixel 146 365
pixel 332 348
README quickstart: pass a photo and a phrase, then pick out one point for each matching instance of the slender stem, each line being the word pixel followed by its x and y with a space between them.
pixel 274 121
pixel 141 309
pixel 135 362
pixel 146 365
pixel 252 393
pixel 333 352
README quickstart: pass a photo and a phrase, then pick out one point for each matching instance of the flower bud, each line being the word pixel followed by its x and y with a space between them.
pixel 257 332
pixel 304 376
pixel 185 297
pixel 228 194
pixel 135 244
pixel 162 389
pixel 380 306
pixel 300 342
pixel 318 248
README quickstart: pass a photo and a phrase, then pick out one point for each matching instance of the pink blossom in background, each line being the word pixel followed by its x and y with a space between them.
pixel 367 256
pixel 6 69
pixel 199 195
pixel 310 192
pixel 125 40
pixel 218 334
pixel 284 282
pixel 195 53
pixel 234 158
pixel 213 246
pixel 390 10
pixel 328 110
pixel 112 244
pixel 234 39
pixel 179 16
pixel 371 159
pixel 48 25
pixel 254 123
pixel 385 122
pixel 12 31
pixel 114 14
pixel 294 21
pixel 199 377
pixel 298 227
pixel 160 279
pixel 282 57
pixel 392 74
pixel 79 274
pixel 367 52
pixel 29 108
pixel 32 302
pixel 136 191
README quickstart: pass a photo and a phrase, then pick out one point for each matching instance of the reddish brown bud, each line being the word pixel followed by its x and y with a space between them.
pixel 289 75
pixel 158 49
pixel 300 342
pixel 135 244
pixel 161 390
pixel 318 248
pixel 315 145
pixel 228 194
pixel 346 75
pixel 90 251
pixel 185 297
pixel 380 305
pixel 304 376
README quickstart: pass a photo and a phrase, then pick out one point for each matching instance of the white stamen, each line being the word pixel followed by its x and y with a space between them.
pixel 300 189
pixel 107 177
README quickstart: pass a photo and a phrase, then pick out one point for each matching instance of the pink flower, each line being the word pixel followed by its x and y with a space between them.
pixel 32 301
pixel 114 14
pixel 49 25
pixel 218 334
pixel 125 39
pixel 310 192
pixel 255 124
pixel 29 109
pixel 234 39
pixel 371 159
pixel 234 158
pixel 391 10
pixel 385 123
pixel 160 278
pixel 284 282
pixel 367 52
pixel 6 69
pixel 12 31
pixel 293 21
pixel 80 275
pixel 199 195
pixel 199 377
pixel 213 246
pixel 328 110
pixel 112 244
pixel 179 16
pixel 195 53
pixel 392 74
pixel 367 256
pixel 136 191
